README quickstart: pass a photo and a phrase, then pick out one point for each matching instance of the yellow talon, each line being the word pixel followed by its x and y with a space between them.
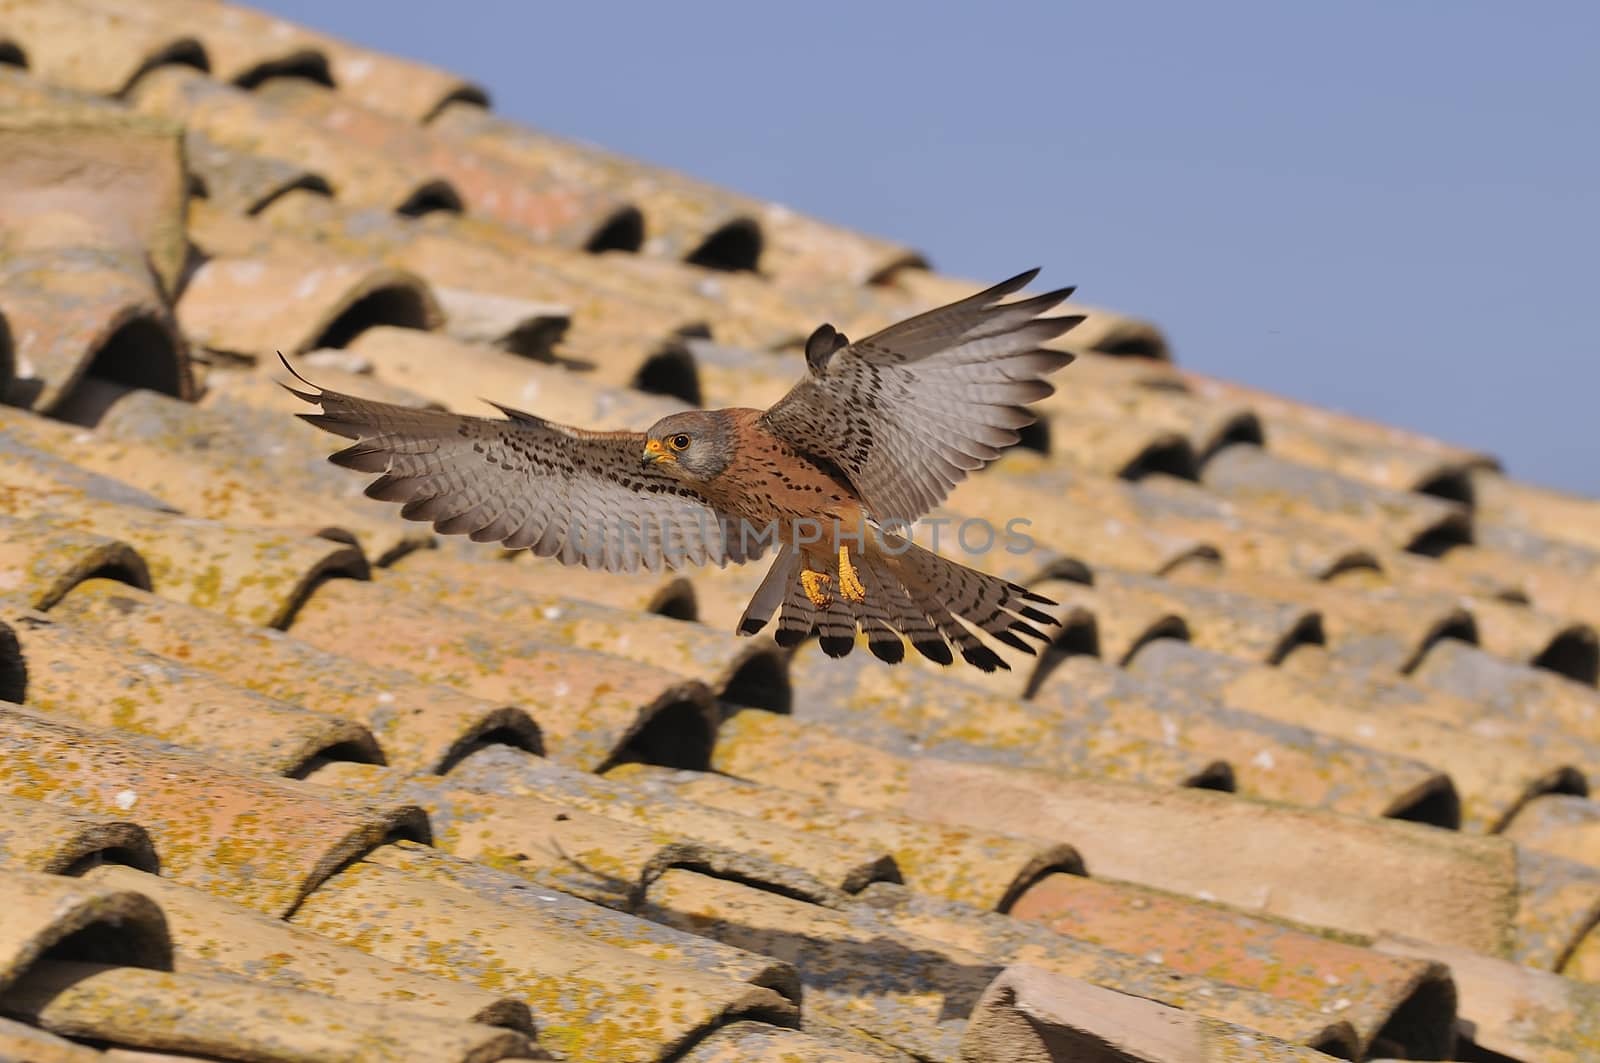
pixel 849 583
pixel 815 584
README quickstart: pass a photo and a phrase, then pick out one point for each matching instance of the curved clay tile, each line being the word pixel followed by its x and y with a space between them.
pixel 1530 636
pixel 489 186
pixel 1269 758
pixel 254 575
pixel 1501 689
pixel 1558 908
pixel 1256 478
pixel 1031 1013
pixel 1383 627
pixel 35 836
pixel 517 326
pixel 862 708
pixel 48 911
pixel 1142 834
pixel 1510 1009
pixel 1236 619
pixel 1405 1002
pixel 261 841
pixel 96 47
pixel 34 468
pixel 1543 510
pixel 244 182
pixel 229 1017
pixel 44 561
pixel 80 676
pixel 1384 465
pixel 590 707
pixel 80 312
pixel 1276 409
pixel 211 933
pixel 571 913
pixel 826 866
pixel 113 464
pixel 1079 516
pixel 721 660
pixel 437 927
pixel 255 307
pixel 1010 940
pixel 976 867
pixel 619 332
pixel 683 218
pixel 82 172
pixel 1494 775
pixel 1206 426
pixel 244 45
pixel 1252 539
pixel 418 727
pixel 251 124
pixel 1564 825
pixel 857 970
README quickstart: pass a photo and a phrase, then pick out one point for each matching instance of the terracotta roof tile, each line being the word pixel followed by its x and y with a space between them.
pixel 1028 1013
pixel 254 306
pixel 1409 1004
pixel 651 1007
pixel 94 48
pixel 1565 825
pixel 57 840
pixel 1256 478
pixel 589 706
pixel 1269 758
pixel 42 562
pixel 1558 908
pixel 417 727
pixel 98 922
pixel 213 935
pixel 218 828
pixel 1493 774
pixel 255 575
pixel 1511 691
pixel 1281 630
pixel 252 124
pixel 1510 1009
pixel 981 868
pixel 75 675
pixel 828 865
pixel 190 1013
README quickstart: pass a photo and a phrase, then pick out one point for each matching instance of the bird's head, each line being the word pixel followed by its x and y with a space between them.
pixel 694 447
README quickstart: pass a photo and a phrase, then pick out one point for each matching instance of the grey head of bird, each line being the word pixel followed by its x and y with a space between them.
pixel 694 447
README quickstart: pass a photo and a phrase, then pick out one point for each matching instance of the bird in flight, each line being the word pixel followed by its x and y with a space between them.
pixel 829 479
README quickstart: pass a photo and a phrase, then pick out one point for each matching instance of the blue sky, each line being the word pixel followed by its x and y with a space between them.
pixel 1386 206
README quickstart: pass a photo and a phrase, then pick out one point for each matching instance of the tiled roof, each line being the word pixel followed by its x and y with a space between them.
pixel 1306 769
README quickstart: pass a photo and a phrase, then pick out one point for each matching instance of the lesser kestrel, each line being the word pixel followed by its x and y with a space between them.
pixel 874 436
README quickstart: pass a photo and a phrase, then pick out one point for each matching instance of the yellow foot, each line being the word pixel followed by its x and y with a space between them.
pixel 815 585
pixel 849 583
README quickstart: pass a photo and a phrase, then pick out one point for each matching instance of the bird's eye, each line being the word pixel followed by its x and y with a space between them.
pixel 679 442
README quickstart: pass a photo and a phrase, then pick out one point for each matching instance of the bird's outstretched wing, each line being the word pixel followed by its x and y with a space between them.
pixel 580 497
pixel 907 412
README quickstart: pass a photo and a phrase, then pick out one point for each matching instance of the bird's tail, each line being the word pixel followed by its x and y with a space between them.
pixel 933 602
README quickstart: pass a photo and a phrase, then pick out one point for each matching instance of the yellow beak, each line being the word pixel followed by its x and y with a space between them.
pixel 654 452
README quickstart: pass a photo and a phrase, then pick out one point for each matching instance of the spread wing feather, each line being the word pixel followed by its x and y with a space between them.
pixel 581 497
pixel 907 412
